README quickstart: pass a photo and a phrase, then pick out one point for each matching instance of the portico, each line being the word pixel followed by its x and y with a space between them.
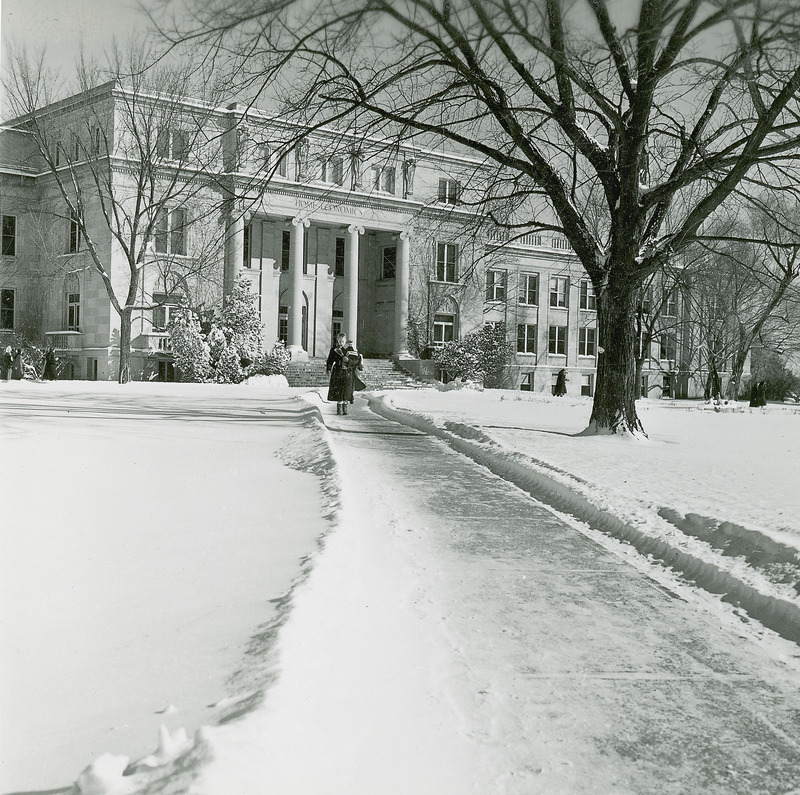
pixel 313 274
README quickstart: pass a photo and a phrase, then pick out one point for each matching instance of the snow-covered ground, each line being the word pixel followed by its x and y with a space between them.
pixel 86 550
pixel 145 531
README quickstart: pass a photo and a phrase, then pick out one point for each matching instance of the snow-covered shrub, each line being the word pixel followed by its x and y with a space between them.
pixel 240 321
pixel 481 356
pixel 228 369
pixel 272 363
pixel 189 348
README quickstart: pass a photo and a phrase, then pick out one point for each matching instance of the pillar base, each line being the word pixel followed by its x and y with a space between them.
pixel 402 355
pixel 298 353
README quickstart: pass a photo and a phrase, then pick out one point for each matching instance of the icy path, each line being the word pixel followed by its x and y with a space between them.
pixel 144 531
pixel 454 636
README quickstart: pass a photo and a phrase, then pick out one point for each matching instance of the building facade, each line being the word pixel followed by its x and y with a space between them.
pixel 335 233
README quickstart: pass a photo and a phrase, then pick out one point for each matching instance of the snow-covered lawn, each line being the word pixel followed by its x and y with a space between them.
pixel 741 467
pixel 145 531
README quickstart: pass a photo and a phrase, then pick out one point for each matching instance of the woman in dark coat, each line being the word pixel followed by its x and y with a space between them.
pixel 49 373
pixel 5 364
pixel 342 364
pixel 561 384
pixel 17 368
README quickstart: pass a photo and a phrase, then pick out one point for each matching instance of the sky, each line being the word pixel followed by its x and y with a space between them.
pixel 59 26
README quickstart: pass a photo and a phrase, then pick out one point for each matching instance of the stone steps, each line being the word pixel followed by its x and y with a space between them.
pixel 377 374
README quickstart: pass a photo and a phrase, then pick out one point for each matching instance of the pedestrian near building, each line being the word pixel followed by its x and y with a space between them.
pixel 5 363
pixel 758 394
pixel 17 367
pixel 343 361
pixel 560 388
pixel 49 373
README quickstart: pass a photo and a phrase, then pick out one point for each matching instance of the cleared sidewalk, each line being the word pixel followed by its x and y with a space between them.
pixel 571 670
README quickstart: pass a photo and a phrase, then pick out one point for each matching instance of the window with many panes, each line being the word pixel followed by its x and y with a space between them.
pixel 338 257
pixel 283 324
pixel 74 239
pixel 668 347
pixel 526 338
pixel 449 191
pixel 495 285
pixel 526 385
pixel 444 329
pixel 446 262
pixel 529 289
pixel 587 341
pixel 170 231
pixel 74 311
pixel 9 236
pixel 7 309
pixel 389 262
pixel 587 384
pixel 588 298
pixel 559 291
pixel 557 340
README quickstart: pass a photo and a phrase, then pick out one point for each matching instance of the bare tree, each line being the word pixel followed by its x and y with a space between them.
pixel 743 291
pixel 124 157
pixel 628 128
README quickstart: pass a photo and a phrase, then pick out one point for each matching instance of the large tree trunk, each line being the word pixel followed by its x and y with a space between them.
pixel 125 345
pixel 614 408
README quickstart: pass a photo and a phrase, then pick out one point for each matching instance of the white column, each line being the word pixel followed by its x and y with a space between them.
pixel 401 298
pixel 234 249
pixel 295 346
pixel 351 281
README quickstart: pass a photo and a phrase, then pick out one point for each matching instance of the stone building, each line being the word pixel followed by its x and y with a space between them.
pixel 333 233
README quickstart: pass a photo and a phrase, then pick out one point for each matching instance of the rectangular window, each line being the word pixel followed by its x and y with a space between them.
pixel 588 298
pixel 178 232
pixel 446 262
pixel 74 242
pixel 246 245
pixel 587 342
pixel 171 144
pixel 557 340
pixel 165 311
pixel 74 311
pixel 495 285
pixel 332 170
pixel 97 140
pixel 444 327
pixel 668 345
pixel 9 236
pixel 587 384
pixel 559 291
pixel 670 303
pixel 646 300
pixel 527 383
pixel 170 231
pixel 529 289
pixel 449 191
pixel 526 338
pixel 389 262
pixel 76 147
pixel 91 369
pixel 383 178
pixel 6 310
pixel 283 166
pixel 286 250
pixel 338 260
pixel 283 324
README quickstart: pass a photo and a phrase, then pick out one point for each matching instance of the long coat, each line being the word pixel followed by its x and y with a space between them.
pixel 17 368
pixel 49 373
pixel 342 368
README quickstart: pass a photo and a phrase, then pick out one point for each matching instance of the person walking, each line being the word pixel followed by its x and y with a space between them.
pixel 17 368
pixel 342 363
pixel 561 384
pixel 5 363
pixel 49 373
